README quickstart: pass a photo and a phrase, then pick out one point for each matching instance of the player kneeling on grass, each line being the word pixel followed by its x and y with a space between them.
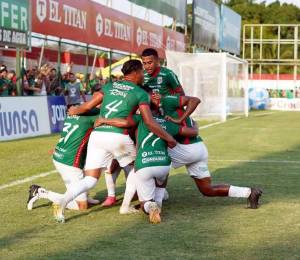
pixel 192 153
pixel 69 158
pixel 152 164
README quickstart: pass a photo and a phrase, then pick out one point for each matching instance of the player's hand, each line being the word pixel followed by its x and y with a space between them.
pixel 172 143
pixel 72 111
pixel 99 121
pixel 174 120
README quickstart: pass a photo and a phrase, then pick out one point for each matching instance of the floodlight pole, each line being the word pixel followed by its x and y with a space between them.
pixel 18 72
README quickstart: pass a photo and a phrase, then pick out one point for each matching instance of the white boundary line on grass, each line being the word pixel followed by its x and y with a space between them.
pixel 219 123
pixel 28 179
pixel 256 161
pixel 45 174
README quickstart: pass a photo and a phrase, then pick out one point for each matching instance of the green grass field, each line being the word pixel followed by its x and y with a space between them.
pixel 262 150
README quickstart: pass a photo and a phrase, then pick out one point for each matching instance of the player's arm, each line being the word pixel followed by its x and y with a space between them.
pixel 179 90
pixel 154 127
pixel 117 122
pixel 87 106
pixel 175 84
pixel 190 103
pixel 189 131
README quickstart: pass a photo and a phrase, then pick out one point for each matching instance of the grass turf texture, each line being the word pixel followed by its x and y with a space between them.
pixel 193 227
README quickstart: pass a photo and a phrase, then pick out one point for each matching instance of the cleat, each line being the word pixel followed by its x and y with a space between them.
pixel 58 213
pixel 33 196
pixel 254 197
pixel 93 201
pixel 109 201
pixel 166 195
pixel 154 213
pixel 128 210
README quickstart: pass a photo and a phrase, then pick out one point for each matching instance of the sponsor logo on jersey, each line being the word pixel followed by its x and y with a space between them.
pixel 116 92
pixel 154 159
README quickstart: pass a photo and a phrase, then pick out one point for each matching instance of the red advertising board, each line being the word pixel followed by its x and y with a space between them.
pixel 93 23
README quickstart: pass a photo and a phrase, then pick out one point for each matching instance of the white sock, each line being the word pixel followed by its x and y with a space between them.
pixel 130 189
pixel 50 195
pixel 87 183
pixel 159 195
pixel 110 185
pixel 239 192
pixel 146 206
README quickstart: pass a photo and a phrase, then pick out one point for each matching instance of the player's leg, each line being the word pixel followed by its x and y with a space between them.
pixel 146 179
pixel 69 175
pixel 130 191
pixel 97 160
pixel 125 154
pixel 201 175
pixel 160 191
pixel 111 175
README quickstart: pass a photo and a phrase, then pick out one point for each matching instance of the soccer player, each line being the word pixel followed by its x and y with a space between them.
pixel 192 153
pixel 118 100
pixel 158 78
pixel 69 158
pixel 152 162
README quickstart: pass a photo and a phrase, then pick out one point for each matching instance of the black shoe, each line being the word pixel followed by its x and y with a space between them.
pixel 254 197
pixel 33 195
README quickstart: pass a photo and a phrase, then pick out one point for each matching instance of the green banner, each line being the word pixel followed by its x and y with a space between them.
pixel 14 23
pixel 172 8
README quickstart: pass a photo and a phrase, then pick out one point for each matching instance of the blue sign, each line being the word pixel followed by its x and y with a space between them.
pixel 230 30
pixel 57 113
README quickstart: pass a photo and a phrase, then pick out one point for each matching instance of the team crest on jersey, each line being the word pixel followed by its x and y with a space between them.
pixel 159 80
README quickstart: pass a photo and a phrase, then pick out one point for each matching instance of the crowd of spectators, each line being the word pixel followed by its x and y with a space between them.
pixel 48 81
pixel 284 93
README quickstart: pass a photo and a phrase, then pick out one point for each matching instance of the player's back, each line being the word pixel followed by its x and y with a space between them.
pixel 121 98
pixel 71 147
pixel 152 150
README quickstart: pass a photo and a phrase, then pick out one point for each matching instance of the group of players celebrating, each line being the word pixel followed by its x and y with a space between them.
pixel 142 125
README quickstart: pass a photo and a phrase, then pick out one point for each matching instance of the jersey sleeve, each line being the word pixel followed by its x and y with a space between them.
pixel 173 81
pixel 143 98
pixel 172 128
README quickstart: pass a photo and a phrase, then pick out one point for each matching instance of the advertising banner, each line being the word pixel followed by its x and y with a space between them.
pixel 57 112
pixel 14 23
pixel 231 23
pixel 148 35
pixel 174 41
pixel 206 24
pixel 172 8
pixel 93 23
pixel 26 119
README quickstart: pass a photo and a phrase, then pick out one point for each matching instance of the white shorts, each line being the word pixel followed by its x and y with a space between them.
pixel 70 175
pixel 145 181
pixel 193 156
pixel 103 147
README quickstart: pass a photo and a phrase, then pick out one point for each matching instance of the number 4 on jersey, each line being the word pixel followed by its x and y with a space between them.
pixel 112 107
